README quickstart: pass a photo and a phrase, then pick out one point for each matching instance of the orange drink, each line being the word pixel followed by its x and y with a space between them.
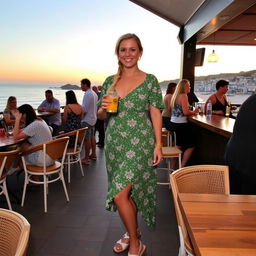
pixel 113 106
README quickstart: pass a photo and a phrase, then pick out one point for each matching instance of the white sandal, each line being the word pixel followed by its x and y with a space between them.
pixel 142 249
pixel 124 246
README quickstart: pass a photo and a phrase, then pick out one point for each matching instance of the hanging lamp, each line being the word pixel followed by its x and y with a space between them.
pixel 213 57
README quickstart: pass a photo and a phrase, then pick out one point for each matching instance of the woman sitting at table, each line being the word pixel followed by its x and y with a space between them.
pixel 166 114
pixel 36 131
pixel 73 113
pixel 179 123
pixel 10 111
pixel 219 99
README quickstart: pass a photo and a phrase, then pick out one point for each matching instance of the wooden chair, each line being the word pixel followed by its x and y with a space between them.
pixel 169 150
pixel 6 160
pixel 56 149
pixel 206 179
pixel 14 230
pixel 73 154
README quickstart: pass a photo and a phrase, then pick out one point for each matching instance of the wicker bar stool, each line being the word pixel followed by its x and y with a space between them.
pixel 170 150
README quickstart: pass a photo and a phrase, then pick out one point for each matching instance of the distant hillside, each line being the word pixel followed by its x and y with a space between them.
pixel 70 87
pixel 227 76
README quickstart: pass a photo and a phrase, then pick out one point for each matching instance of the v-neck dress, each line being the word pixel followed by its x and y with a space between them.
pixel 129 147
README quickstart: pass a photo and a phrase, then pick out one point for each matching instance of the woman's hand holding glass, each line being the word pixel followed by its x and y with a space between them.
pixel 105 102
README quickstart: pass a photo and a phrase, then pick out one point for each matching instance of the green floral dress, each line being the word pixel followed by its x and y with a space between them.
pixel 129 147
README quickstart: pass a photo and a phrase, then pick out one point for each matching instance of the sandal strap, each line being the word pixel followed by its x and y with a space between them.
pixel 124 246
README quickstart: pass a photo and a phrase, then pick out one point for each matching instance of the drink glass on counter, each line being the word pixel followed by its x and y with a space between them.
pixel 113 106
pixel 228 109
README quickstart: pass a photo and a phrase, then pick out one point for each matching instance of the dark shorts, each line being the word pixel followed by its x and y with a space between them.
pixel 166 123
pixel 90 131
pixel 184 135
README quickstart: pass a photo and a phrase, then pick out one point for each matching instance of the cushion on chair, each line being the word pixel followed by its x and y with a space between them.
pixel 170 151
pixel 51 168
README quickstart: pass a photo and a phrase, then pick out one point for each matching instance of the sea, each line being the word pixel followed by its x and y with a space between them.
pixel 33 94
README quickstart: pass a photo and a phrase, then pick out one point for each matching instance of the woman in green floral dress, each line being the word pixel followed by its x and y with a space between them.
pixel 133 143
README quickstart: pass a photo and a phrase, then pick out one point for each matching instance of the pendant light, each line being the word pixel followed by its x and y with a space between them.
pixel 213 57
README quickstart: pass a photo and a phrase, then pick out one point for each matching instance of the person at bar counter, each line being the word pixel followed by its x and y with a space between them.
pixel 52 105
pixel 166 114
pixel 10 111
pixel 219 99
pixel 241 151
pixel 36 131
pixel 132 143
pixel 73 114
pixel 179 123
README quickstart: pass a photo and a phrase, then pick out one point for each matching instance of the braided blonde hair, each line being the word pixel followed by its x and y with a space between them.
pixel 120 65
pixel 180 88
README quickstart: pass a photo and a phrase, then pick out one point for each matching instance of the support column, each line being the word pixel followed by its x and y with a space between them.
pixel 188 65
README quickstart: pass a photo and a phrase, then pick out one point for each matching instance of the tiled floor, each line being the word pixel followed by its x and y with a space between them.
pixel 83 226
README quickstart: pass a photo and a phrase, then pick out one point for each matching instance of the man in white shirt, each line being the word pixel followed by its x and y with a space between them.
pixel 89 105
pixel 52 105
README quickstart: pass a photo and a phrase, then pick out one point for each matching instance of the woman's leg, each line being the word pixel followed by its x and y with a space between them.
pixel 128 213
pixel 186 156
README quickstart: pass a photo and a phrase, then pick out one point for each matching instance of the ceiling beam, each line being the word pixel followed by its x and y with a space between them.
pixel 208 10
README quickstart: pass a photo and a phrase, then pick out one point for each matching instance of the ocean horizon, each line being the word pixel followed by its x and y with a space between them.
pixel 34 94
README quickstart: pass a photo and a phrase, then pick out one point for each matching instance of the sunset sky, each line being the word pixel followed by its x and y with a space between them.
pixel 56 41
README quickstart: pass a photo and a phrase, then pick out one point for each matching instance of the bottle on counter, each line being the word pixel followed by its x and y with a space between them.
pixel 228 108
pixel 209 109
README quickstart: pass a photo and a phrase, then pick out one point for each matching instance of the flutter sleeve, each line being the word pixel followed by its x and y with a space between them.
pixel 155 93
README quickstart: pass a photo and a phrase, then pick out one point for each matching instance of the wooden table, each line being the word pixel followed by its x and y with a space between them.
pixel 8 141
pixel 43 113
pixel 220 225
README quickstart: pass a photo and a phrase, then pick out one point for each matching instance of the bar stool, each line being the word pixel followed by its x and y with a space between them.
pixel 169 150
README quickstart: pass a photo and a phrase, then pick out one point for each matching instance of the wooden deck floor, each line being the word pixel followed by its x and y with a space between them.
pixel 83 226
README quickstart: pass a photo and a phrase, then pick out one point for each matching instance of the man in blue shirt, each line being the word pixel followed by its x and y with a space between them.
pixel 89 105
pixel 52 105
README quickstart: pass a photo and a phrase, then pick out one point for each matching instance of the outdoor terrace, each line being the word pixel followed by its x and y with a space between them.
pixel 83 226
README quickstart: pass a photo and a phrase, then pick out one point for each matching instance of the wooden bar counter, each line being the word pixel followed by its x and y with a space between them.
pixel 211 135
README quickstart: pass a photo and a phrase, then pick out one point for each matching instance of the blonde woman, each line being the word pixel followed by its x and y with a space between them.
pixel 10 111
pixel 179 123
pixel 133 143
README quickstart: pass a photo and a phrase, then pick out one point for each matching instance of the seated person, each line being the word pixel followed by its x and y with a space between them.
pixel 10 111
pixel 73 113
pixel 36 131
pixel 50 104
pixel 166 114
pixel 219 99
pixel 240 150
pixel 179 123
